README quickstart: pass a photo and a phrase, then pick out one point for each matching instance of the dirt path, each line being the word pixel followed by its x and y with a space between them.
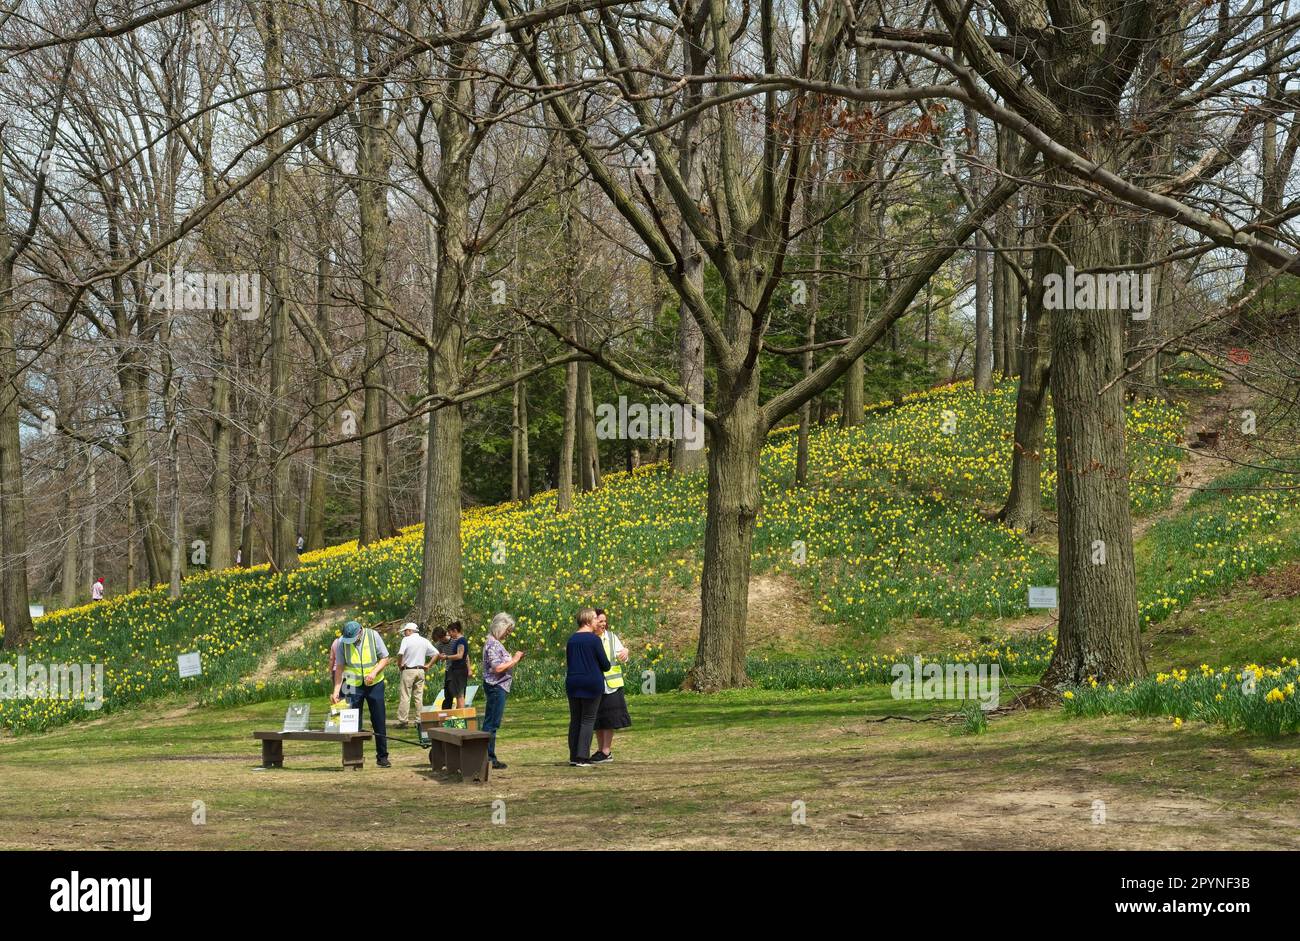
pixel 1201 464
pixel 266 669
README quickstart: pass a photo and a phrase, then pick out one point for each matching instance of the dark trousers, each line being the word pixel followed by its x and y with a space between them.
pixel 582 720
pixel 373 697
pixel 492 715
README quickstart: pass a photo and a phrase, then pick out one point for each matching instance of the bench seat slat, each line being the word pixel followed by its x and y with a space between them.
pixel 313 736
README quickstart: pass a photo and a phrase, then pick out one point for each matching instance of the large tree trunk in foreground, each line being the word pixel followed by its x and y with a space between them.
pixel 733 503
pixel 1098 631
pixel 441 599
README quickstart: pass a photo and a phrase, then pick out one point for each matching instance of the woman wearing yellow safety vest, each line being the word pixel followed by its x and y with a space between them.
pixel 612 713
pixel 359 677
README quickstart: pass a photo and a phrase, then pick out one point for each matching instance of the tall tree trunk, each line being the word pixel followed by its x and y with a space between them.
pixel 71 525
pixel 177 537
pixel 320 407
pixel 1098 632
pixel 1006 288
pixel 519 482
pixel 441 600
pixel 130 543
pixel 220 555
pixel 372 201
pixel 1024 507
pixel 588 447
pixel 690 338
pixel 14 611
pixel 732 507
pixel 88 560
pixel 859 288
pixel 441 597
pixel 564 486
pixel 983 371
pixel 983 329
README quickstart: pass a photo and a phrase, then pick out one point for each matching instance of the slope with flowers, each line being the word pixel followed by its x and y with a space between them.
pixel 893 525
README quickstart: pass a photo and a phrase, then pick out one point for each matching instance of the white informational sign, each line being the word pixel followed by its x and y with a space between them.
pixel 36 610
pixel 189 664
pixel 350 720
pixel 1042 597
pixel 469 695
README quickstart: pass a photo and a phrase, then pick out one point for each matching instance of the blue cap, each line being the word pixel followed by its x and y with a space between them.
pixel 351 631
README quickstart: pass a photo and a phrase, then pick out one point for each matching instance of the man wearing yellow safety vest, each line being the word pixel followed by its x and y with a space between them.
pixel 612 713
pixel 359 677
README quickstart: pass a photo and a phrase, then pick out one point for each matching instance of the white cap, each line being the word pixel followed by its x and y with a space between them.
pixel 411 626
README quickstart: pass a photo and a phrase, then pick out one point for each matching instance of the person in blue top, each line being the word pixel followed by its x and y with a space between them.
pixel 584 682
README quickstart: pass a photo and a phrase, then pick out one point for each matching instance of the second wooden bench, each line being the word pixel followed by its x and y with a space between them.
pixel 460 751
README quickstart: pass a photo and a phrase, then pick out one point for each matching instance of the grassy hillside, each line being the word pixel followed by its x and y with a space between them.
pixel 892 527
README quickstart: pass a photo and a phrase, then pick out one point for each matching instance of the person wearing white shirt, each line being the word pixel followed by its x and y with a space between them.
pixel 415 655
pixel 612 712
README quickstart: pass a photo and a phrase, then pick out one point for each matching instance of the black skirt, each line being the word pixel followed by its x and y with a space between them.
pixel 612 712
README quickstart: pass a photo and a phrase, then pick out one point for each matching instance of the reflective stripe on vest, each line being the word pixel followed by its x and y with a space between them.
pixel 614 675
pixel 366 656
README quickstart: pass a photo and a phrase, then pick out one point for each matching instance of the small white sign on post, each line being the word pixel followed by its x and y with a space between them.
pixel 1042 597
pixel 190 664
pixel 36 610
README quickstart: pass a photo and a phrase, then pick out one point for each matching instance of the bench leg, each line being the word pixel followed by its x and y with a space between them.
pixel 453 753
pixel 437 758
pixel 474 761
pixel 354 754
pixel 272 753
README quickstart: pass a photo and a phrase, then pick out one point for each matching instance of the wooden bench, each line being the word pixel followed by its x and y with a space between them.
pixel 469 714
pixel 273 745
pixel 460 751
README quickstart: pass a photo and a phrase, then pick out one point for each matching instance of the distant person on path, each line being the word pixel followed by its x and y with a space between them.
pixel 359 677
pixel 415 655
pixel 584 681
pixel 302 543
pixel 457 676
pixel 498 673
pixel 97 590
pixel 612 713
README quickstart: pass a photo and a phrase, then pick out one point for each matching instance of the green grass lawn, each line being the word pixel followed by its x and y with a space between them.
pixel 723 771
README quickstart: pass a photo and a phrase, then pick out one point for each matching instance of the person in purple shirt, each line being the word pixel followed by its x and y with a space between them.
pixel 584 681
pixel 498 674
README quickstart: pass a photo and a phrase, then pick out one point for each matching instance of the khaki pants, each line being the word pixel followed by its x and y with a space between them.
pixel 412 688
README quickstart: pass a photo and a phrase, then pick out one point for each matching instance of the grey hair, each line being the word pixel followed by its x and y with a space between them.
pixel 502 624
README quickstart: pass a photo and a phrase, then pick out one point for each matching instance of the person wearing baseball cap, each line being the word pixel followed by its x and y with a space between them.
pixel 415 655
pixel 359 677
